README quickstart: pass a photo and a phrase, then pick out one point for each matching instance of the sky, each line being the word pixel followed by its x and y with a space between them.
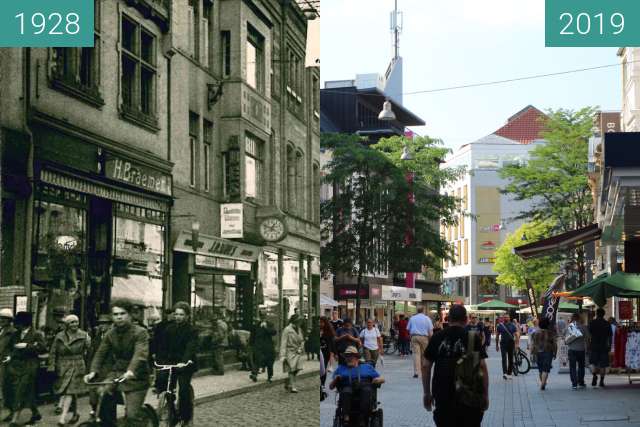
pixel 458 42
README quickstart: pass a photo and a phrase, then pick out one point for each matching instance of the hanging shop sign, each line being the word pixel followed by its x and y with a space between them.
pixel 625 310
pixel 138 176
pixel 398 293
pixel 216 247
pixel 231 218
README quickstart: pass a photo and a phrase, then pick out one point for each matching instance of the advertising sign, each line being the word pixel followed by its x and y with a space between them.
pixel 488 224
pixel 399 293
pixel 138 175
pixel 625 308
pixel 550 307
pixel 231 219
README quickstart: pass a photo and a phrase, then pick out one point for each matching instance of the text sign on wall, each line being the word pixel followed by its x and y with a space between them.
pixel 231 219
pixel 625 308
pixel 398 293
pixel 137 175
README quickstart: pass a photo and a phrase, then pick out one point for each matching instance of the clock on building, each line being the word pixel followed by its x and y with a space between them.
pixel 272 229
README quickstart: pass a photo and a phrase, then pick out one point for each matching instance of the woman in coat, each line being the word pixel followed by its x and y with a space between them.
pixel 67 359
pixel 291 350
pixel 22 368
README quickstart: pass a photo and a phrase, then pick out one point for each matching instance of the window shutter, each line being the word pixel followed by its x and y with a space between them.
pixel 191 23
pixel 204 42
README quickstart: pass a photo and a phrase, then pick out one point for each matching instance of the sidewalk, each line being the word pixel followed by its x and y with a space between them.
pixel 207 388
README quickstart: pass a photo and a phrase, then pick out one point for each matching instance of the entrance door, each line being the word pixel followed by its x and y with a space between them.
pixel 98 292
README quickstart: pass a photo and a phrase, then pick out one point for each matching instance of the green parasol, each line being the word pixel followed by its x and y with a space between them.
pixel 605 286
pixel 496 304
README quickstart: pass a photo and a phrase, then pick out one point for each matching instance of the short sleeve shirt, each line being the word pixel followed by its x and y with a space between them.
pixel 348 374
pixel 444 350
pixel 507 332
pixel 370 338
pixel 342 345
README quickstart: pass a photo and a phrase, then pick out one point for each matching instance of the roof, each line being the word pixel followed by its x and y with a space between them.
pixel 524 127
pixel 493 139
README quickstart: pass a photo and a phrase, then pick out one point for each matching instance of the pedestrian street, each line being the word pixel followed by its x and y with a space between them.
pixel 517 402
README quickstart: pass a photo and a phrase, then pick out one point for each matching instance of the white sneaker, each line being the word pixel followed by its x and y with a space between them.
pixel 510 377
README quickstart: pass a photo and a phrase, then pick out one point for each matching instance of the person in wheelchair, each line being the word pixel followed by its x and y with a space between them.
pixel 355 382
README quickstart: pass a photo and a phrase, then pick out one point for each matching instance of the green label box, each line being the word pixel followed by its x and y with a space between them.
pixel 592 23
pixel 46 23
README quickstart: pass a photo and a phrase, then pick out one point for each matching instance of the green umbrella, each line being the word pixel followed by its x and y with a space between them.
pixel 496 304
pixel 605 286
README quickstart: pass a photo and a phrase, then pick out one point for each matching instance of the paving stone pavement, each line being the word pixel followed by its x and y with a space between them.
pixel 513 403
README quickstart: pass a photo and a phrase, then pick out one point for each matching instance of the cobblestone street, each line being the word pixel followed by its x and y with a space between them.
pixel 517 402
pixel 271 406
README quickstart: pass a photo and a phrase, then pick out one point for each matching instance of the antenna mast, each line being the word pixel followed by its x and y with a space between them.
pixel 396 29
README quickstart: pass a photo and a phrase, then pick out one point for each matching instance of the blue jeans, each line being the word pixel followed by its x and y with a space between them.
pixel 576 358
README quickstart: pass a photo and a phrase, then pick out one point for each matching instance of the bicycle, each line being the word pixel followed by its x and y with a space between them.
pixel 521 362
pixel 167 411
pixel 148 413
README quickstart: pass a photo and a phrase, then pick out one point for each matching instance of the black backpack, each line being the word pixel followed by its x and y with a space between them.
pixel 469 376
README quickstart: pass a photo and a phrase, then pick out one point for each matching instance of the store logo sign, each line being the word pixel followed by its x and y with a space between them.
pixel 139 176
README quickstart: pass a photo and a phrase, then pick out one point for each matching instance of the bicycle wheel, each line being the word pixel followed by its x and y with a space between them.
pixel 525 365
pixel 149 416
pixel 166 411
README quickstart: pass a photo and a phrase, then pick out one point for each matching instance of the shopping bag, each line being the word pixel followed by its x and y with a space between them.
pixel 573 333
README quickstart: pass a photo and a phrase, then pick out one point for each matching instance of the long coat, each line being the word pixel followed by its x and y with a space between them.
pixel 262 343
pixel 22 369
pixel 67 357
pixel 291 349
pixel 124 349
pixel 7 336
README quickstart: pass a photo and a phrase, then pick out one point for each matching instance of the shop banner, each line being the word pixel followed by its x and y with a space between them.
pixel 231 221
pixel 550 307
pixel 625 310
pixel 398 293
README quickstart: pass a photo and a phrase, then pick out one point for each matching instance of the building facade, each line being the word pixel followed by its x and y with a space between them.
pixel 486 216
pixel 177 160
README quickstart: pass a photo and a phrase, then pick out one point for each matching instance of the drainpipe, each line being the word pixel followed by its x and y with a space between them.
pixel 28 222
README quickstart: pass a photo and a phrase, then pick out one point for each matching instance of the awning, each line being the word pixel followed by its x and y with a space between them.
pixel 560 242
pixel 138 289
pixel 325 301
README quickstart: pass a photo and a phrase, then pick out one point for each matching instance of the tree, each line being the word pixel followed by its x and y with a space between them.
pixel 364 223
pixel 555 177
pixel 514 271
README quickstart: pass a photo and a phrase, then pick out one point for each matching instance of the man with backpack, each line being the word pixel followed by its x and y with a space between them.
pixel 460 385
pixel 507 336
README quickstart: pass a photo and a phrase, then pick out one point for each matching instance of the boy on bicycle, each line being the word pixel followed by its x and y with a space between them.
pixel 176 344
pixel 123 354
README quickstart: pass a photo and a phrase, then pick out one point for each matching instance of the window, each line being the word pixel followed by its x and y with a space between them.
pixel 254 159
pixel 315 96
pixel 194 40
pixel 208 138
pixel 459 253
pixel 465 197
pixel 315 193
pixel 461 226
pixel 77 70
pixel 466 251
pixel 455 232
pixel 194 127
pixel 225 42
pixel 300 184
pixel 138 73
pixel 291 179
pixel 205 35
pixel 255 59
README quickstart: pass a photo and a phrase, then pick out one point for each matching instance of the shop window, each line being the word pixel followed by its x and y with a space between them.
pixel 255 72
pixel 254 164
pixel 76 71
pixel 138 74
pixel 225 42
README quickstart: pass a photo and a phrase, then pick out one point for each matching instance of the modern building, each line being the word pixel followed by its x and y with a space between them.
pixel 178 159
pixel 486 216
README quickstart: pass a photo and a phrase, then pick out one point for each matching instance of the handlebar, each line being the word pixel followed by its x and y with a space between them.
pixel 166 367
pixel 110 382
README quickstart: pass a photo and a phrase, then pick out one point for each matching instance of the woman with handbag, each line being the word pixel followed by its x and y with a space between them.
pixel 575 339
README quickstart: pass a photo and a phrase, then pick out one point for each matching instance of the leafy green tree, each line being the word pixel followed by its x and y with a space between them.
pixel 555 177
pixel 514 271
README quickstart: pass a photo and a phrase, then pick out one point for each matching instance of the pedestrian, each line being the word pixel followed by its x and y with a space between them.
pixel 420 329
pixel 487 333
pixel 312 343
pixel 403 335
pixel 263 348
pixel 477 327
pixel 532 330
pixel 444 350
pixel 291 349
pixel 103 326
pixel 546 348
pixel 371 342
pixel 437 325
pixel 7 336
pixel 346 336
pixel 601 335
pixel 123 353
pixel 336 322
pixel 67 359
pixel 22 368
pixel 506 333
pixel 327 345
pixel 177 344
pixel 219 341
pixel 576 339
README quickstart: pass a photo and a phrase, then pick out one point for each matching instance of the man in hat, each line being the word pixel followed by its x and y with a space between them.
pixel 355 379
pixel 7 335
pixel 22 368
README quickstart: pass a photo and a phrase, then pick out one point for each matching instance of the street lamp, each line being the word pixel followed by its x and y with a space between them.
pixel 195 234
pixel 387 113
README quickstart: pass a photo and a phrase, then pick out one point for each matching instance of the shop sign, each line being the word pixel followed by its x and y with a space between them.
pixel 231 219
pixel 139 176
pixel 399 293
pixel 343 292
pixel 217 247
pixel 488 245
pixel 20 303
pixel 487 260
pixel 625 308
